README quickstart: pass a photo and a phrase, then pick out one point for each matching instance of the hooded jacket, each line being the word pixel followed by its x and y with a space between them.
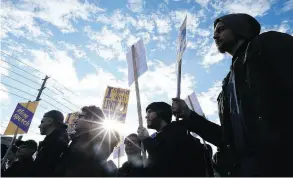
pixel 254 104
pixel 49 153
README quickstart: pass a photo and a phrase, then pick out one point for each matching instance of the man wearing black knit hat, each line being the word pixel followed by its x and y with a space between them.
pixel 254 105
pixel 173 152
pixel 54 144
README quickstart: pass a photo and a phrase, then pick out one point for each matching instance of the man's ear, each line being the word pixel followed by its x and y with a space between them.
pixel 50 120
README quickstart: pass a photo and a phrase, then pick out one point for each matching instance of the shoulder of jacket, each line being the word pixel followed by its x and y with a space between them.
pixel 268 38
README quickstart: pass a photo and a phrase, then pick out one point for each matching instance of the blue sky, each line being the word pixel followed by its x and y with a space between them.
pixel 83 45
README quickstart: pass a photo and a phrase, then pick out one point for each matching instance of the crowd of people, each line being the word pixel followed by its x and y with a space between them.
pixel 252 140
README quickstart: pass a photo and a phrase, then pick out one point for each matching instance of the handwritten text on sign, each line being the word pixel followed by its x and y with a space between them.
pixel 22 117
pixel 116 103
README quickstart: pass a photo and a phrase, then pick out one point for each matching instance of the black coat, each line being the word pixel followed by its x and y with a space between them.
pixel 130 170
pixel 74 163
pixel 21 168
pixel 49 152
pixel 174 152
pixel 256 123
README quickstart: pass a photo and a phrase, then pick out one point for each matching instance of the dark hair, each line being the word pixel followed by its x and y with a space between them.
pixel 162 109
pixel 133 135
pixel 58 118
pixel 93 112
pixel 31 144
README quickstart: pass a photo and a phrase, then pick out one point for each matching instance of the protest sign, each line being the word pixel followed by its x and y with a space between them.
pixel 140 60
pixel 115 103
pixel 70 121
pixel 181 40
pixel 21 118
pixel 193 104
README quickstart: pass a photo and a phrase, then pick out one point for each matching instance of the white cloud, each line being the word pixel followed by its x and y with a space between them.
pixel 203 32
pixel 118 20
pixel 135 5
pixel 106 43
pixel 208 100
pixel 52 63
pixel 77 51
pixel 254 8
pixel 284 27
pixel 161 42
pixel 4 97
pixel 61 13
pixel 145 22
pixel 18 21
pixel 288 6
pixel 163 80
pixel 145 36
pixel 203 3
pixel 192 20
pixel 23 14
pixel 201 44
pixel 163 24
pixel 213 56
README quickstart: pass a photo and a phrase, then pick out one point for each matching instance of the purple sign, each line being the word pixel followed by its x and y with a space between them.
pixel 22 117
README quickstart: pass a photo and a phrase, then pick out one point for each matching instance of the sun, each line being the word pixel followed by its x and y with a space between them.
pixel 113 125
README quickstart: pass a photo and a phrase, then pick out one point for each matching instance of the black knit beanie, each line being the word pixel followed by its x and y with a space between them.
pixel 162 109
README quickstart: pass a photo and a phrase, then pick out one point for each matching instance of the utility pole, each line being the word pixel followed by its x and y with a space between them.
pixel 42 88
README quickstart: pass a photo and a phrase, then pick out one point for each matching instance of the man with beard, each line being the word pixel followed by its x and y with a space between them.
pixel 254 105
pixel 51 148
pixel 173 152
pixel 90 148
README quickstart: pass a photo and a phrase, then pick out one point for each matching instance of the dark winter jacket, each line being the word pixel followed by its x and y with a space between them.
pixel 130 170
pixel 49 152
pixel 74 163
pixel 255 109
pixel 174 152
pixel 21 168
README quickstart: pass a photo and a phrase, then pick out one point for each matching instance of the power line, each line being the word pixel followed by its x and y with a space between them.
pixel 54 106
pixel 19 82
pixel 37 70
pixel 20 68
pixel 52 91
pixel 57 101
pixel 43 107
pixel 21 75
pixel 71 103
pixel 18 89
pixel 14 94
pixel 22 62
pixel 64 99
pixel 38 84
pixel 58 90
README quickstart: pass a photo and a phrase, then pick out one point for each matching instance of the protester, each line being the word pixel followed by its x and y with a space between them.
pixel 254 105
pixel 23 164
pixel 173 151
pixel 54 144
pixel 90 148
pixel 133 167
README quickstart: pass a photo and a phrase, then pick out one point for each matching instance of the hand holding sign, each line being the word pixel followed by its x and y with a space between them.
pixel 180 108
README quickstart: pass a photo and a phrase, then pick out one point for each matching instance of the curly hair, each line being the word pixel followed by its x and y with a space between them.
pixel 93 112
